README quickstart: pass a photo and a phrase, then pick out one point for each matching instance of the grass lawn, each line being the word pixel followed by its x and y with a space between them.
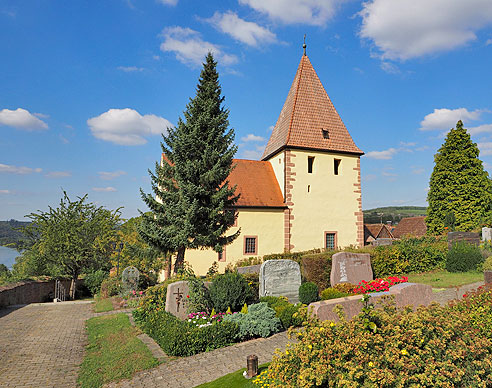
pixel 102 305
pixel 114 351
pixel 234 380
pixel 445 279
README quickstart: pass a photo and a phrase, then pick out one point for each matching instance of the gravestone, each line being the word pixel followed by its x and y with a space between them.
pixel 129 279
pixel 249 269
pixel 486 234
pixel 468 237
pixel 348 267
pixel 176 298
pixel 280 278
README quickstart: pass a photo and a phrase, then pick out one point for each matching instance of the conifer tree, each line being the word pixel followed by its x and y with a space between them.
pixel 192 202
pixel 459 188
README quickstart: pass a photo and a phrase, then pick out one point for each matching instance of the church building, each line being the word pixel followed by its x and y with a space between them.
pixel 305 192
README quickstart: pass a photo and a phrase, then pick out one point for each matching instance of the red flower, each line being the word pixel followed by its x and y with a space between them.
pixel 187 296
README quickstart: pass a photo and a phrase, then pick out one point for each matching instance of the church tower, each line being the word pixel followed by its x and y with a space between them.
pixel 317 166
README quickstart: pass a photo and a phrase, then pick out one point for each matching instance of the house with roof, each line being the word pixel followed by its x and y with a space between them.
pixel 305 192
pixel 375 232
pixel 411 226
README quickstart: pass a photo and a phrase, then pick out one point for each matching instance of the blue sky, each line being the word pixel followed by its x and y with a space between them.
pixel 86 87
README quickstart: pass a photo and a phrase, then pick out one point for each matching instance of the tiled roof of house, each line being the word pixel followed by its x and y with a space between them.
pixel 307 111
pixel 414 226
pixel 256 184
pixel 375 231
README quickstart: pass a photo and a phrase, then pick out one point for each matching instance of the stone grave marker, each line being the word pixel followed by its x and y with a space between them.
pixel 129 279
pixel 280 278
pixel 249 269
pixel 486 234
pixel 348 267
pixel 176 298
pixel 468 237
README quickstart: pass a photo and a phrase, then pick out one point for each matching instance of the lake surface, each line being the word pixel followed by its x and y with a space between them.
pixel 7 256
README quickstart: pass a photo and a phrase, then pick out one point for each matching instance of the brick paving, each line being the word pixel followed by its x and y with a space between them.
pixel 42 345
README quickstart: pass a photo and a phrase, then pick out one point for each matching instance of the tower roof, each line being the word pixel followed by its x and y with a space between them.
pixel 306 116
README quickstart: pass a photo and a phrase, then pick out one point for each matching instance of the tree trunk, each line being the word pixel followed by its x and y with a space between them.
pixel 169 265
pixel 178 264
pixel 73 285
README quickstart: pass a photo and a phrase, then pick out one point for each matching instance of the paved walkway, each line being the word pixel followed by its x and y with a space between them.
pixel 42 345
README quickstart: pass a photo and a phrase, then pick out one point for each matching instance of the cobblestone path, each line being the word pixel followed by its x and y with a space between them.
pixel 202 368
pixel 42 345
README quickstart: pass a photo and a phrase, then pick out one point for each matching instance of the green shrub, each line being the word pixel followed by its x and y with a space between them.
pixel 253 280
pixel 146 280
pixel 477 305
pixel 110 286
pixel 275 301
pixel 93 280
pixel 199 297
pixel 463 257
pixel 332 293
pixel 487 265
pixel 288 315
pixel 308 293
pixel 248 261
pixel 260 321
pixel 229 290
pixel 345 287
pixel 179 338
pixel 316 268
pixel 408 349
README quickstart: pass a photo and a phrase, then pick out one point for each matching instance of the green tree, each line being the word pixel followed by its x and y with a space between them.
pixel 71 239
pixel 458 185
pixel 191 183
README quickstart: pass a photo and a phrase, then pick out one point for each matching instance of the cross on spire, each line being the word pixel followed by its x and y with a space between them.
pixel 304 45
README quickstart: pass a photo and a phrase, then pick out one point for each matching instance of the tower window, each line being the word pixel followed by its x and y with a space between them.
pixel 330 240
pixel 310 164
pixel 336 166
pixel 326 135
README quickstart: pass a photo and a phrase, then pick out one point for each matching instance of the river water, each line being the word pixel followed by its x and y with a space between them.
pixel 7 256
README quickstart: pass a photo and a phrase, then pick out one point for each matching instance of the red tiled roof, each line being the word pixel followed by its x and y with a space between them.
pixel 256 184
pixel 414 226
pixel 376 231
pixel 307 111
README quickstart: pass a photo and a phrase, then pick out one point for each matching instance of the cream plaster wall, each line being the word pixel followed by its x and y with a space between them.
pixel 267 224
pixel 278 165
pixel 330 204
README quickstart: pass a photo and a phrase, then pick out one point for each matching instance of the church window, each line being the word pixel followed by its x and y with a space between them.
pixel 326 135
pixel 310 164
pixel 250 245
pixel 330 240
pixel 336 166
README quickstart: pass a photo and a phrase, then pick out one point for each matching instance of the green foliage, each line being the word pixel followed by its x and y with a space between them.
pixel 275 301
pixel 253 280
pixel 260 321
pixel 213 270
pixel 409 255
pixel 111 286
pixel 102 305
pixel 247 262
pixel 199 299
pixel 193 210
pixel 316 268
pixel 10 233
pixel 244 310
pixel 463 257
pixel 114 352
pixel 487 265
pixel 289 315
pixel 94 279
pixel 332 293
pixel 229 290
pixel 179 338
pixel 409 348
pixel 458 185
pixel 477 305
pixel 308 293
pixel 392 213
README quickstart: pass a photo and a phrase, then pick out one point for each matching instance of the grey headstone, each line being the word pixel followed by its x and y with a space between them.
pixel 249 269
pixel 129 278
pixel 486 234
pixel 176 298
pixel 280 278
pixel 468 237
pixel 348 267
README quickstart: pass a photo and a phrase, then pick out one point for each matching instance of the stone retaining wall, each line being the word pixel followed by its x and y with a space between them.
pixel 404 294
pixel 29 292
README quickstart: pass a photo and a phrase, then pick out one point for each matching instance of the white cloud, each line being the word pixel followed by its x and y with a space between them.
pixel 255 154
pixel 58 174
pixel 417 171
pixel 108 189
pixel 130 69
pixel 407 29
pixel 444 119
pixel 190 48
pixel 127 126
pixel 4 191
pixel 252 137
pixel 485 128
pixel 18 170
pixel 485 148
pixel 21 119
pixel 109 175
pixel 168 2
pixel 246 32
pixel 312 12
pixel 389 68
pixel 385 155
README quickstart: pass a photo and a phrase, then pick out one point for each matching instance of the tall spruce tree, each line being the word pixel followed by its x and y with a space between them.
pixel 192 201
pixel 459 188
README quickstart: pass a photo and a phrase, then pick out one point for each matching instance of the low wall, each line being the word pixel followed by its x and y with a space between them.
pixel 404 294
pixel 30 292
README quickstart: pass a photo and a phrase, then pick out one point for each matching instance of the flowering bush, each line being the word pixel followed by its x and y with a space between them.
pixel 379 285
pixel 203 319
pixel 478 307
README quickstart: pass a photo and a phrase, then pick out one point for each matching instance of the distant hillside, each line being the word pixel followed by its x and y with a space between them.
pixel 392 213
pixel 8 232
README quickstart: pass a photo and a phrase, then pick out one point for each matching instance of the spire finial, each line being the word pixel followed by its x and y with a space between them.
pixel 304 45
